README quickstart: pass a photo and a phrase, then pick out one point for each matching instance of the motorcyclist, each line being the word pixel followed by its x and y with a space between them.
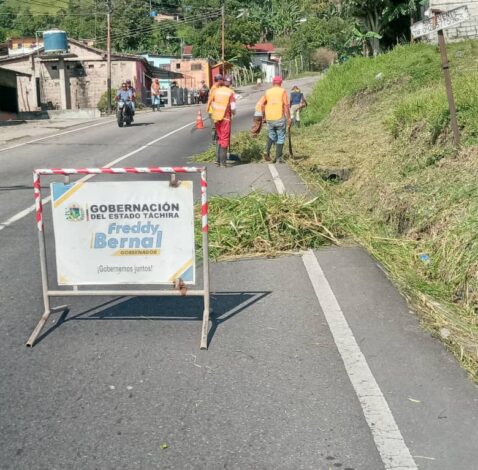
pixel 203 92
pixel 133 96
pixel 125 94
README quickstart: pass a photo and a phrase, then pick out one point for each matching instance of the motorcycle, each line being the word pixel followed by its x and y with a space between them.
pixel 124 113
pixel 203 95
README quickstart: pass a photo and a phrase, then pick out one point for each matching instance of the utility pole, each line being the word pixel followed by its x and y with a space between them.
pixel 108 54
pixel 223 21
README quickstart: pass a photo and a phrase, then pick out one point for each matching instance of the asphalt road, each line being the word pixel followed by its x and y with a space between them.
pixel 315 361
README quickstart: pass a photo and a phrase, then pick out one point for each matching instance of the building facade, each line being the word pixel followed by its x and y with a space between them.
pixel 76 80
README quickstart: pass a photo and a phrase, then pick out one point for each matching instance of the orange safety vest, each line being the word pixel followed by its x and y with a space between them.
pixel 211 96
pixel 274 108
pixel 260 105
pixel 220 102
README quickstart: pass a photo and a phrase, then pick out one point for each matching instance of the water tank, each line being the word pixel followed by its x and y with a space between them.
pixel 55 41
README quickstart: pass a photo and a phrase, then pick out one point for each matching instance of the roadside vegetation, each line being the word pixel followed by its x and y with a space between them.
pixel 410 199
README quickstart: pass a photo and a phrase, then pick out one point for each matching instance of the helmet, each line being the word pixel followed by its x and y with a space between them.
pixel 218 77
pixel 277 80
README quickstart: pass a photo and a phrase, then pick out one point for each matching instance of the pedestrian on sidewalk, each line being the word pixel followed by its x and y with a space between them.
pixel 277 115
pixel 223 107
pixel 297 103
pixel 155 95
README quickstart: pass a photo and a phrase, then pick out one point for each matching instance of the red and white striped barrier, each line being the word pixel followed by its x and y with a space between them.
pixel 96 171
pixel 47 293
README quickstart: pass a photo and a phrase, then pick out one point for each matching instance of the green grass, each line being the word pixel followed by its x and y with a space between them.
pixel 411 192
pixel 412 198
pixel 250 149
pixel 267 224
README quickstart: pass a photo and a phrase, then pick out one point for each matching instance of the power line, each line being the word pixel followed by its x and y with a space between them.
pixel 159 26
pixel 149 29
pixel 44 4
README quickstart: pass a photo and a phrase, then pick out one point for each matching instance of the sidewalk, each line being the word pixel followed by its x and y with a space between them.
pixel 17 130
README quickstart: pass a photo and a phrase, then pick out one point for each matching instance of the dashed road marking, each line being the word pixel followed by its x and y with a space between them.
pixel 276 178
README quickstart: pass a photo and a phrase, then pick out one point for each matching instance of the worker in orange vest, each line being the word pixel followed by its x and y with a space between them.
pixel 277 114
pixel 217 83
pixel 223 107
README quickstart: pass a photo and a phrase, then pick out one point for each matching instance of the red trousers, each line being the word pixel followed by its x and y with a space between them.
pixel 223 131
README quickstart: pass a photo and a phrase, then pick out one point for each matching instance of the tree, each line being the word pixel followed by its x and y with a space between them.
pixel 333 33
pixel 376 15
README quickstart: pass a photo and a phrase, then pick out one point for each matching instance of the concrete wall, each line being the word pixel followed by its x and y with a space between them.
pixel 190 69
pixel 467 29
pixel 86 81
pixel 26 85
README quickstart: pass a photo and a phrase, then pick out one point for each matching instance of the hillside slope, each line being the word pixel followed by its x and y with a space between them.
pixel 411 198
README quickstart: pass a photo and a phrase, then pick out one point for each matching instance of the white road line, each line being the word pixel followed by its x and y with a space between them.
pixel 276 178
pixel 30 209
pixel 388 438
pixel 54 135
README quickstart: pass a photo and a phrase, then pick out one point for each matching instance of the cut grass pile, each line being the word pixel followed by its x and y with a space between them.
pixel 268 224
pixel 250 149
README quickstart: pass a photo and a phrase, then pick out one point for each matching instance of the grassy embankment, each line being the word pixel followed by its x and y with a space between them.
pixel 411 199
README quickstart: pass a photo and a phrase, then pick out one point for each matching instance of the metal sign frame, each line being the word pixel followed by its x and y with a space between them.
pixel 180 288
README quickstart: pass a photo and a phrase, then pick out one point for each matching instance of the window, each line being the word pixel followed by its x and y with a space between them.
pixel 54 67
pixel 196 66
pixel 178 66
pixel 91 66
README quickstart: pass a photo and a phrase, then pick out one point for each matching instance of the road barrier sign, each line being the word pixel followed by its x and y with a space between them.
pixel 123 233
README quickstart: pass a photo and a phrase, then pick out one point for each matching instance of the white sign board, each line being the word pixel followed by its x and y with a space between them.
pixel 441 21
pixel 137 232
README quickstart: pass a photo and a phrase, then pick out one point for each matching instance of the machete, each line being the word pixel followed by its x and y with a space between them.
pixel 291 153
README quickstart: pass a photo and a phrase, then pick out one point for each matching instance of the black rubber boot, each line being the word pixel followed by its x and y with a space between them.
pixel 218 150
pixel 279 149
pixel 222 156
pixel 268 149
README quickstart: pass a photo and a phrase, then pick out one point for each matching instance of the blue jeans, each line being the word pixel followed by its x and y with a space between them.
pixel 277 130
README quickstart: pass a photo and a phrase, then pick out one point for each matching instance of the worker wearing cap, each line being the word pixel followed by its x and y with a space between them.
pixel 217 82
pixel 223 107
pixel 277 115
